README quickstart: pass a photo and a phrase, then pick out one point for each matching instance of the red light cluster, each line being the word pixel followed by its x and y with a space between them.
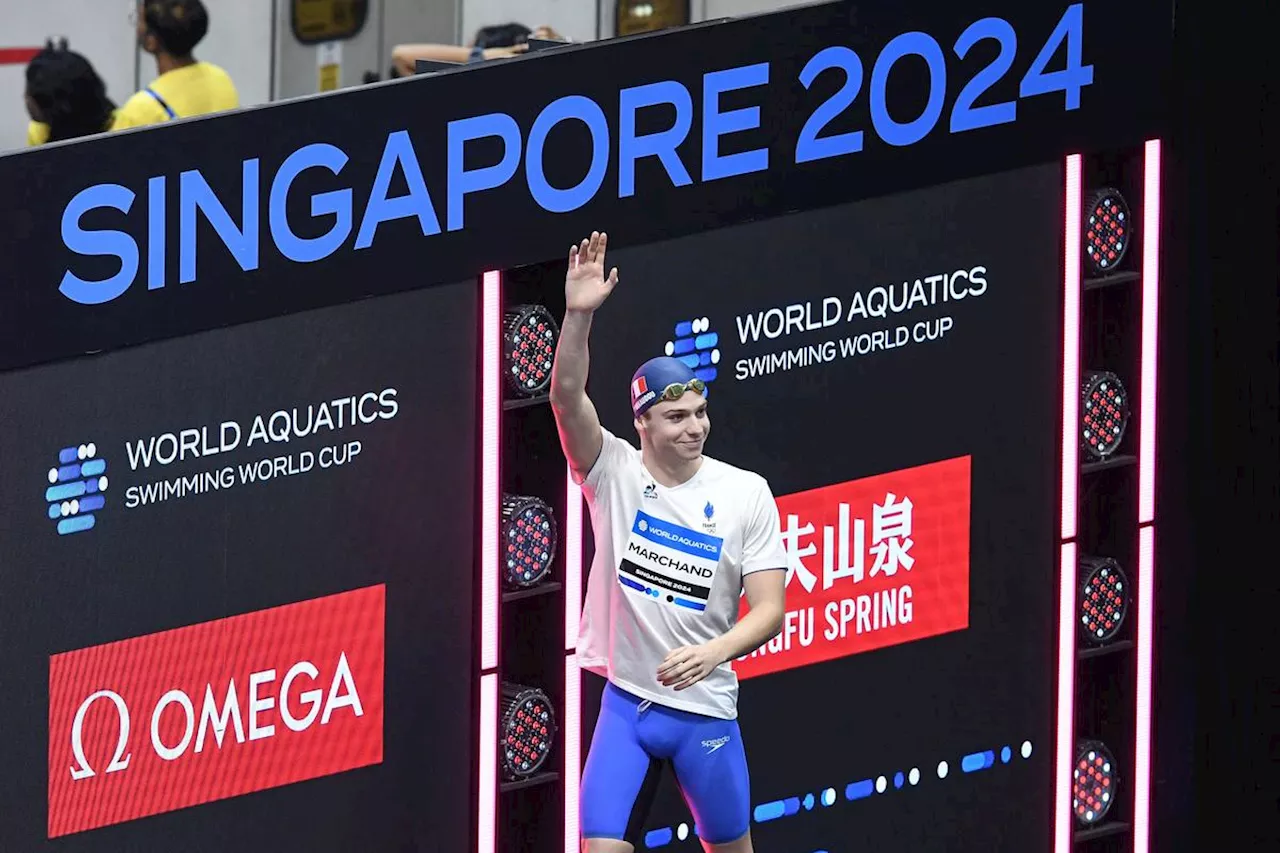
pixel 530 536
pixel 528 730
pixel 530 337
pixel 1104 598
pixel 1104 413
pixel 1093 784
pixel 1106 235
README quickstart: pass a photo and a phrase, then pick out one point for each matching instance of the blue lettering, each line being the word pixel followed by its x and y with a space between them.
pixel 589 113
pixel 461 181
pixel 196 194
pixel 399 150
pixel 306 250
pixel 716 124
pixel 908 44
pixel 155 233
pixel 661 145
pixel 116 243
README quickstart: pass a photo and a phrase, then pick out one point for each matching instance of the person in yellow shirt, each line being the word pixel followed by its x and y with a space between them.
pixel 65 97
pixel 170 30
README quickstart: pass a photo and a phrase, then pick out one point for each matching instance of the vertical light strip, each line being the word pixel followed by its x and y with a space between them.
pixel 1066 698
pixel 571 737
pixel 1070 474
pixel 490 508
pixel 1150 322
pixel 490 465
pixel 1145 652
pixel 1071 349
pixel 1142 711
pixel 487 796
pixel 572 561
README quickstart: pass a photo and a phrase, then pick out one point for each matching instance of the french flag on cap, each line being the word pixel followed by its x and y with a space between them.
pixel 638 387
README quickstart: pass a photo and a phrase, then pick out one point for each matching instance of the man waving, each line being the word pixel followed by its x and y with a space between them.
pixel 679 537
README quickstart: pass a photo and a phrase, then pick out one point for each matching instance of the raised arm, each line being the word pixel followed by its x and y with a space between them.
pixel 585 290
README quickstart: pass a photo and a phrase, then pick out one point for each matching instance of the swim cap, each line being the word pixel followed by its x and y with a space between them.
pixel 652 377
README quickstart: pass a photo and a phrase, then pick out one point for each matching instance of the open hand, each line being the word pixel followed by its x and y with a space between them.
pixel 585 286
pixel 687 665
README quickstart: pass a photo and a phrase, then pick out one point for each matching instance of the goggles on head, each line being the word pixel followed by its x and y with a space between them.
pixel 676 390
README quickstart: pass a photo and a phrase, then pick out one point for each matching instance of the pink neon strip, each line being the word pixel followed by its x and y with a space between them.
pixel 1071 350
pixel 1070 472
pixel 572 561
pixel 1142 713
pixel 1150 324
pixel 490 449
pixel 487 796
pixel 1066 698
pixel 571 737
pixel 1143 719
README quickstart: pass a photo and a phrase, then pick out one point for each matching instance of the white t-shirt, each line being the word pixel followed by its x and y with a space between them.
pixel 668 571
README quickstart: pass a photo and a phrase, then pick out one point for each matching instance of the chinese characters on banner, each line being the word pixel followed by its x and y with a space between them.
pixel 871 563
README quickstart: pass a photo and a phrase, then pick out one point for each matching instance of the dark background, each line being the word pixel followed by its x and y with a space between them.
pixel 401 514
pixel 990 389
pixel 1217 728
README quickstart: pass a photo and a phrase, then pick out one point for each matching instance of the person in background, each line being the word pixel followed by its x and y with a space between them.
pixel 494 42
pixel 65 97
pixel 169 30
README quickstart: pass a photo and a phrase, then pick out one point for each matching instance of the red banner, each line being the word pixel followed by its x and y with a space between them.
pixel 215 710
pixel 871 563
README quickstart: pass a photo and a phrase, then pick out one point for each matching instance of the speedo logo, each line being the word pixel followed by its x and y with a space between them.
pixel 712 745
pixel 668 562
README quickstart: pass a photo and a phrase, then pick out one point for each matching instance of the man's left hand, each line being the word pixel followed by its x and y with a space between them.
pixel 687 665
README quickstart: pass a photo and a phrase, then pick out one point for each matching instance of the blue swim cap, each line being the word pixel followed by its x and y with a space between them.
pixel 652 377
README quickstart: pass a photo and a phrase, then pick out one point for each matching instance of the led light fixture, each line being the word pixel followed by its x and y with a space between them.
pixel 1093 783
pixel 1106 230
pixel 1104 413
pixel 529 346
pixel 529 540
pixel 527 731
pixel 1104 599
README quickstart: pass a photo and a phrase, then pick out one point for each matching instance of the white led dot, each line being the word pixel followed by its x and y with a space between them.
pixel 829 797
pixel 81 451
pixel 914 776
pixel 53 475
pixel 881 784
pixel 715 356
pixel 942 769
pixel 1026 749
pixel 102 484
pixel 92 450
pixel 65 509
pixel 706 324
pixel 670 348
pixel 682 831
pixel 75 507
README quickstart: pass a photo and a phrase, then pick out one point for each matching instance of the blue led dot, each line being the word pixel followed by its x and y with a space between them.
pixel 808 802
pixel 1006 754
pixel 898 779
